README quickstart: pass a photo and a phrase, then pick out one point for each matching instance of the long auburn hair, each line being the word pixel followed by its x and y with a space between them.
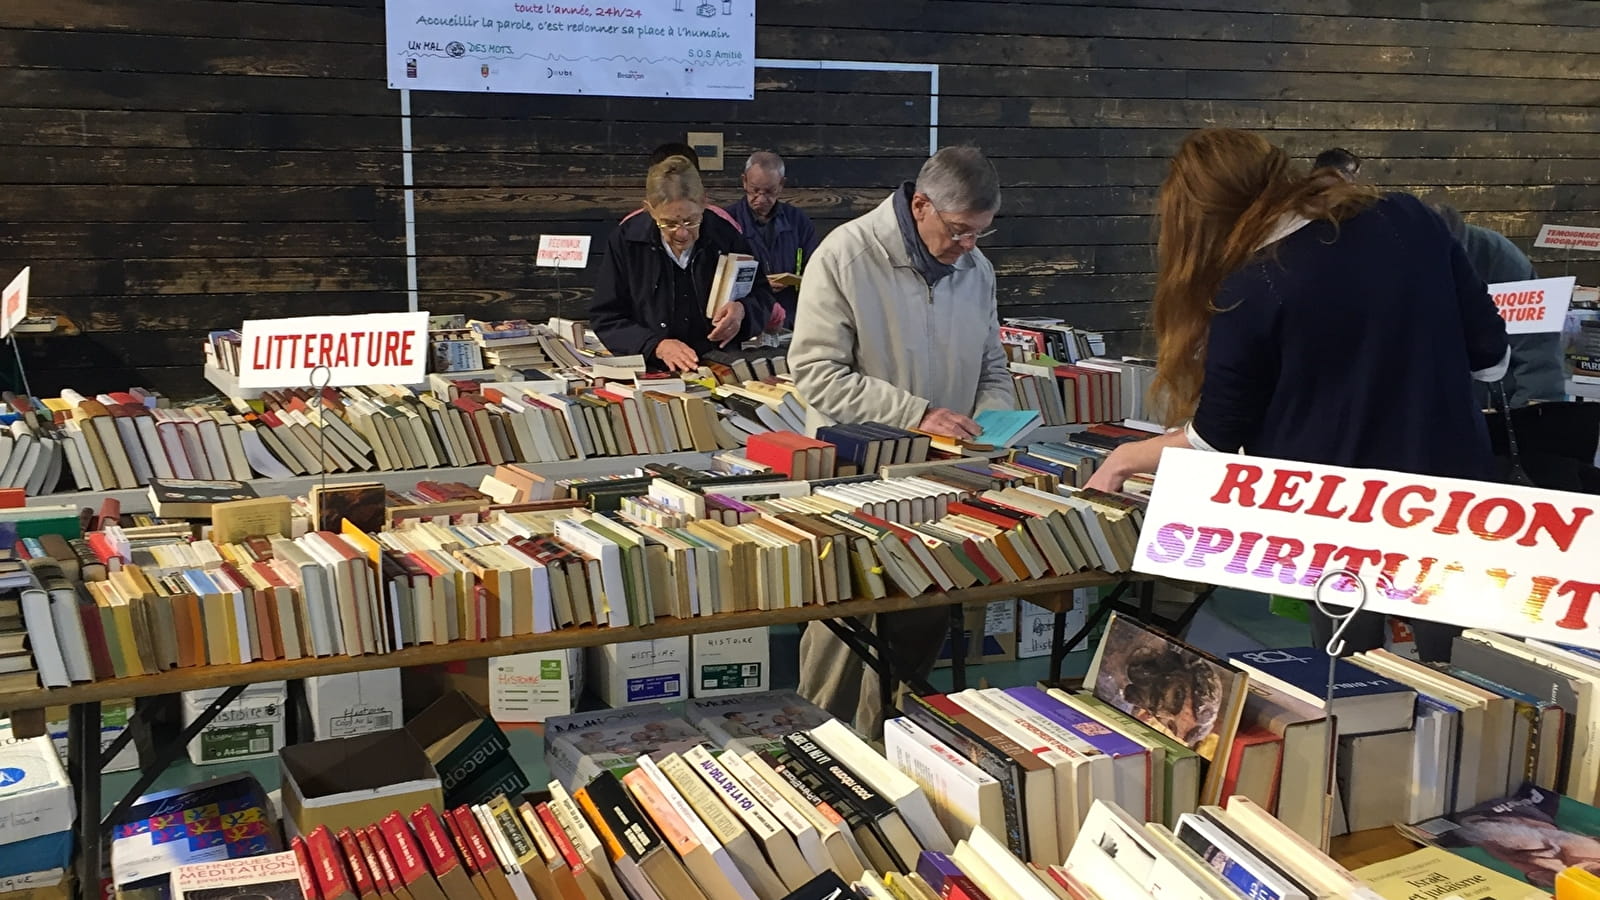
pixel 1223 196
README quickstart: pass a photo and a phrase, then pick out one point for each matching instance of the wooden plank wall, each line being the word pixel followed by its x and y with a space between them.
pixel 173 166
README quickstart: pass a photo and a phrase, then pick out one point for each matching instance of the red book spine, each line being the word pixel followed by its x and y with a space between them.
pixel 327 860
pixel 402 847
pixel 569 852
pixel 436 846
pixel 308 874
pixel 460 843
pixel 474 838
pixel 369 854
pixel 360 876
pixel 94 634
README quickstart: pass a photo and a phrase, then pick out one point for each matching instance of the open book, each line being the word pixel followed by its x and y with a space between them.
pixel 736 274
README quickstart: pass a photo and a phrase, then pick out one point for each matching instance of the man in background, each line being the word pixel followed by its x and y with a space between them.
pixel 1347 164
pixel 1537 373
pixel 899 327
pixel 781 235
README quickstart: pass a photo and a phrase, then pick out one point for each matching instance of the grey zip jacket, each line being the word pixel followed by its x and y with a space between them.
pixel 874 343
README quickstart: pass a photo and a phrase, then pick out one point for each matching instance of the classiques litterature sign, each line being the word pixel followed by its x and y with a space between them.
pixel 376 348
pixel 1530 307
pixel 1517 560
pixel 635 48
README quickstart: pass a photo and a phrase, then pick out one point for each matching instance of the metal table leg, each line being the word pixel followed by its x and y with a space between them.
pixel 83 767
pixel 958 647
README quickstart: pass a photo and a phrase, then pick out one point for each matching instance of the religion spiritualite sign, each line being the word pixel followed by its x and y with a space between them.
pixel 1517 560
pixel 1530 307
pixel 376 348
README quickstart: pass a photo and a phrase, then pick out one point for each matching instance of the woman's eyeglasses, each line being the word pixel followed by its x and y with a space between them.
pixel 671 226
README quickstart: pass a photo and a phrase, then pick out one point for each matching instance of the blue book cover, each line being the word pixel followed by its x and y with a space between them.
pixel 1087 727
pixel 1044 465
pixel 1306 670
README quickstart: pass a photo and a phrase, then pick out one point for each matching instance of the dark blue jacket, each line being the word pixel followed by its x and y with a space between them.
pixel 1538 371
pixel 641 297
pixel 792 233
pixel 1354 346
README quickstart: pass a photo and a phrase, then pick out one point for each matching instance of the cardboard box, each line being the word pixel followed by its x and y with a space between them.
pixel 532 687
pixel 998 624
pixel 177 826
pixel 579 747
pixel 1036 625
pixel 355 781
pixel 654 671
pixel 352 704
pixel 730 662
pixel 251 727
pixel 35 802
pixel 52 884
pixel 422 686
pixel 114 718
pixel 469 751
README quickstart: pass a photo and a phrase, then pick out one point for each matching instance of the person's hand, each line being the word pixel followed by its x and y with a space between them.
pixel 949 423
pixel 1114 471
pixel 778 317
pixel 677 356
pixel 776 283
pixel 725 327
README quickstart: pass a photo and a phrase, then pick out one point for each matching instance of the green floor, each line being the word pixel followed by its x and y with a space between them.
pixel 1231 621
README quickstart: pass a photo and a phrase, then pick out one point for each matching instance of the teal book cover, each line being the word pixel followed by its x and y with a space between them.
pixel 1533 835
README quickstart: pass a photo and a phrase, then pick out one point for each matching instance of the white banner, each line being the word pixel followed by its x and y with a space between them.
pixel 1530 307
pixel 376 348
pixel 1522 561
pixel 563 251
pixel 701 49
pixel 1573 237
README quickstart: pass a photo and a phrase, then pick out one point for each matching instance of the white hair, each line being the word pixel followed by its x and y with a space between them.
pixel 765 159
pixel 960 179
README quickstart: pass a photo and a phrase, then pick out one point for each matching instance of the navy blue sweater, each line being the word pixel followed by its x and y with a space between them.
pixel 1354 346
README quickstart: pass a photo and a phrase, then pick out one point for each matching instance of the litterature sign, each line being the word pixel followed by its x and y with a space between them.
pixel 1530 307
pixel 1517 560
pixel 1572 237
pixel 375 348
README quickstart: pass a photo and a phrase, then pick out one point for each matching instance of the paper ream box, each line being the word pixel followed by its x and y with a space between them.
pixel 355 781
pixel 998 624
pixel 730 662
pixel 354 703
pixel 653 671
pixel 470 752
pixel 532 687
pixel 52 884
pixel 114 717
pixel 35 796
pixel 251 727
pixel 1036 625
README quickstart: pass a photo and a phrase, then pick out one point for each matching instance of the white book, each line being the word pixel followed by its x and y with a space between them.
pixel 1218 848
pixel 587 542
pixel 833 832
pixel 799 827
pixel 895 786
pixel 963 795
pixel 1071 800
pixel 719 853
pixel 1129 791
pixel 1110 830
pixel 990 864
pixel 47 657
pixel 779 846
pixel 70 638
pixel 322 613
pixel 584 839
pixel 741 845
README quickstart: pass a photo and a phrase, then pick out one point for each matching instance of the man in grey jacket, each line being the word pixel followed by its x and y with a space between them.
pixel 900 328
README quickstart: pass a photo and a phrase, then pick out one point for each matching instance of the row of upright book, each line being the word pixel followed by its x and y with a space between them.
pixel 355 575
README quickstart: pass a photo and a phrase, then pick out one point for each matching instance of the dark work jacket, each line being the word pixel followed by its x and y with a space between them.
pixel 637 301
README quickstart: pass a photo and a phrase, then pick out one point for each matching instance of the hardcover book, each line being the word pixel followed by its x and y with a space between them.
pixel 275 876
pixel 1531 835
pixel 1363 701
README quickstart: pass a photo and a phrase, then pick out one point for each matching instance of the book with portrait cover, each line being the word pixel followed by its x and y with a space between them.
pixel 1531 835
pixel 1185 693
pixel 275 876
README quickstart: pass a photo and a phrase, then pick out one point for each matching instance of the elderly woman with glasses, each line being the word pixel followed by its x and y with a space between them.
pixel 652 289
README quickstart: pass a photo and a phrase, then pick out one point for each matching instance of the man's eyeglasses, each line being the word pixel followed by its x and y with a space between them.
pixel 761 192
pixel 959 236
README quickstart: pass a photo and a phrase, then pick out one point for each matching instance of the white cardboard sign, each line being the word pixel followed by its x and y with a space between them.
pixel 375 348
pixel 1531 307
pixel 14 302
pixel 1511 559
pixel 563 251
pixel 1572 237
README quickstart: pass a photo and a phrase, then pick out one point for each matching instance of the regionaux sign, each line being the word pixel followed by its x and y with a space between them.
pixel 376 348
pixel 1512 559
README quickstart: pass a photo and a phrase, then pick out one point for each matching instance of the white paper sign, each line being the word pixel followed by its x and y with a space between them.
pixel 563 251
pixel 1517 560
pixel 634 48
pixel 14 302
pixel 376 348
pixel 1531 307
pixel 1573 237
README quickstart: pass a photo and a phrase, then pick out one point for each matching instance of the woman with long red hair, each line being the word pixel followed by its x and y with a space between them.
pixel 1301 316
